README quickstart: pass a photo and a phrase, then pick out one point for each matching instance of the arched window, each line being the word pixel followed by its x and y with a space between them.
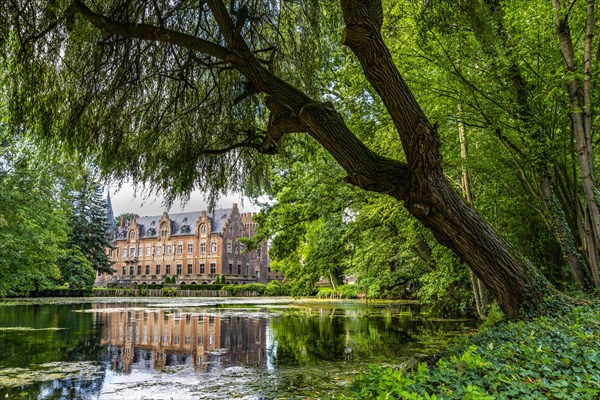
pixel 203 228
pixel 132 235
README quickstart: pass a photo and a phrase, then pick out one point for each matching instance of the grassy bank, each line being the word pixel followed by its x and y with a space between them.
pixel 546 357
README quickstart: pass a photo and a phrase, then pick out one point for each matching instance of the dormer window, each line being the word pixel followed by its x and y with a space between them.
pixel 164 231
pixel 185 229
pixel 132 235
pixel 203 228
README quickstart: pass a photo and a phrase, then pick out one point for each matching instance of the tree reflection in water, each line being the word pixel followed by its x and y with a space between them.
pixel 194 352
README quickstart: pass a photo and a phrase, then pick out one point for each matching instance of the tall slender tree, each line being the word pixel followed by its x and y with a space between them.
pixel 89 231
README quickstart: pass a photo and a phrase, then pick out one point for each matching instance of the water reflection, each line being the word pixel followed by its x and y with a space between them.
pixel 155 339
pixel 169 350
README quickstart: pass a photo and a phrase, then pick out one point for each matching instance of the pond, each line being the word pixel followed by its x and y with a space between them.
pixel 190 348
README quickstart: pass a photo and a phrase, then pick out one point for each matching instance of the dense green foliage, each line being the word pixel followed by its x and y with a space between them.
pixel 340 292
pixel 47 239
pixel 546 357
pixel 33 223
pixel 76 270
pixel 88 223
pixel 271 289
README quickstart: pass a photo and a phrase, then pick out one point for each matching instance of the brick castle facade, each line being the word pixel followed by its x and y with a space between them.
pixel 194 247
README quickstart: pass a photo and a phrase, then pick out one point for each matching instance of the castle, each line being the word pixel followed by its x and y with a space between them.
pixel 194 247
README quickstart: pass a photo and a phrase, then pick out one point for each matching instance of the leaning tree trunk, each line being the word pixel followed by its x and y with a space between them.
pixel 419 183
pixel 428 196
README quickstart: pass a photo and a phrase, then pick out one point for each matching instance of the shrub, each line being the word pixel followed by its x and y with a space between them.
pixel 233 290
pixel 341 292
pixel 77 270
pixel 202 287
pixel 154 286
pixel 169 292
pixel 276 288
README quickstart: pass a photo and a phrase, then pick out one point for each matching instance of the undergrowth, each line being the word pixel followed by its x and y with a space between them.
pixel 556 357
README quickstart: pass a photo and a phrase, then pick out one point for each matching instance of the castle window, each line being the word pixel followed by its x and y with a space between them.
pixel 190 248
pixel 148 250
pixel 164 231
pixel 213 247
pixel 202 269
pixel 131 270
pixel 190 269
pixel 132 251
pixel 168 269
pixel 124 272
pixel 213 268
pixel 203 228
pixel 178 269
pixel 147 270
pixel 185 229
pixel 140 251
pixel 139 269
pixel 132 235
pixel 158 250
pixel 203 247
pixel 168 250
pixel 229 246
pixel 124 251
pixel 179 248
pixel 158 270
pixel 230 268
pixel 239 269
pixel 258 252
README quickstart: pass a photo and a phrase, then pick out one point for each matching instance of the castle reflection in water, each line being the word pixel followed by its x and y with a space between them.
pixel 156 339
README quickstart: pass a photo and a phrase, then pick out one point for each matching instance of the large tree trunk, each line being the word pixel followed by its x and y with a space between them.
pixel 509 277
pixel 419 184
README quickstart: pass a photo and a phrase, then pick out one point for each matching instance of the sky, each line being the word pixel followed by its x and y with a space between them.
pixel 126 200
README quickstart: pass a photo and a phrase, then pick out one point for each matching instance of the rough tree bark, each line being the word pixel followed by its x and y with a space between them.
pixel 419 184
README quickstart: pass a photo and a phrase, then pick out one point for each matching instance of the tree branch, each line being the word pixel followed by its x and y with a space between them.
pixel 243 144
pixel 144 31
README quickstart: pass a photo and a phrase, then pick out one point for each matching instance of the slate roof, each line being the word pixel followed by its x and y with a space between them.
pixel 181 223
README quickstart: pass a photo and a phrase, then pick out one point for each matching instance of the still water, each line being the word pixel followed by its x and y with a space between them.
pixel 206 348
